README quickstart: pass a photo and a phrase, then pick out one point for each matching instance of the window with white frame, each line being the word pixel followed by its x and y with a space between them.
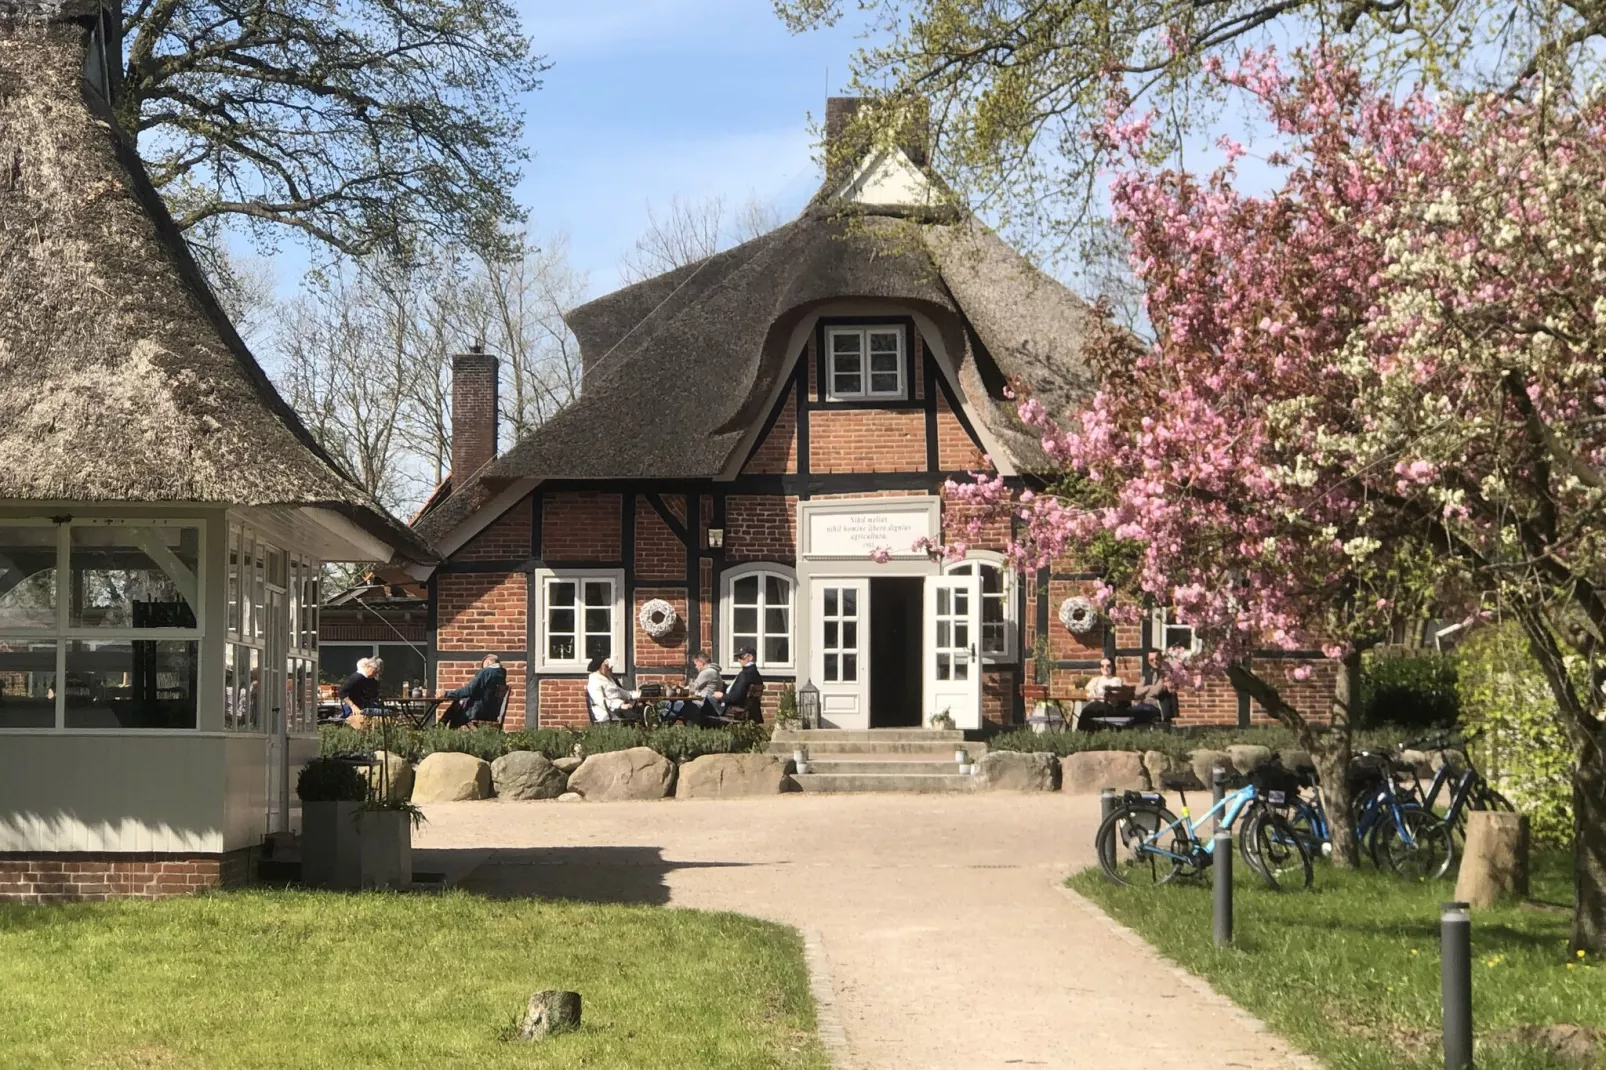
pixel 758 614
pixel 580 618
pixel 865 362
pixel 1167 634
pixel 100 623
pixel 997 602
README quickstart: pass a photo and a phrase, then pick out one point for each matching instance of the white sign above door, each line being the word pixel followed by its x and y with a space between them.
pixel 860 532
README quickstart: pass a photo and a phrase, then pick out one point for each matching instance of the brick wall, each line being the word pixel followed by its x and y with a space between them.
pixel 481 610
pixel 998 696
pixel 507 538
pixel 956 517
pixel 867 440
pixel 450 674
pixel 563 702
pixel 760 528
pixel 95 876
pixel 777 453
pixel 580 526
pixel 956 450
pixel 660 555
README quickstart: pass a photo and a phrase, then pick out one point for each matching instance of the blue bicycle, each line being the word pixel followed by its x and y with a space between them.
pixel 1143 843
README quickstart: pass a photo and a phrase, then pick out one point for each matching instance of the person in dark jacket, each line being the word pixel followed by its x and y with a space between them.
pixel 735 696
pixel 360 692
pixel 480 699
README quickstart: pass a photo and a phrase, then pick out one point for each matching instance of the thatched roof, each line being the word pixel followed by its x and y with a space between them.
pixel 121 379
pixel 678 367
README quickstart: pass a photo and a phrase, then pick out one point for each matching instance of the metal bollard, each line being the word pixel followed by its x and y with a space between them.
pixel 1106 804
pixel 1222 891
pixel 1455 984
pixel 1218 791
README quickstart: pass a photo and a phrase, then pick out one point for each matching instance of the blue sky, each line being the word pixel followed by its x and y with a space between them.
pixel 653 99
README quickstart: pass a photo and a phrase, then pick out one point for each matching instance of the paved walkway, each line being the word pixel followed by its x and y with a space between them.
pixel 944 933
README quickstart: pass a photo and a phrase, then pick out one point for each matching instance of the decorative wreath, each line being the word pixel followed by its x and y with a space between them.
pixel 1079 614
pixel 657 618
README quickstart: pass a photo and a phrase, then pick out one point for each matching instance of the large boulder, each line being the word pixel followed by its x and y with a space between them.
pixel 524 774
pixel 390 777
pixel 1205 760
pixel 1167 772
pixel 1247 757
pixel 637 773
pixel 567 764
pixel 449 777
pixel 1296 760
pixel 727 776
pixel 1003 770
pixel 1418 760
pixel 1093 770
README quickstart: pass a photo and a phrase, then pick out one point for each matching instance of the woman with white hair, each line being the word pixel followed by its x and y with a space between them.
pixel 360 692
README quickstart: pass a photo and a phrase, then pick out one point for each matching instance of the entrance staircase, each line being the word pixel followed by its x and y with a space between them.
pixel 879 759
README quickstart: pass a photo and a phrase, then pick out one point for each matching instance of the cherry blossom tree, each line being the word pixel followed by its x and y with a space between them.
pixel 1376 393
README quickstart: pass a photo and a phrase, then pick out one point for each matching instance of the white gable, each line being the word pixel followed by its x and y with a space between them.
pixel 886 179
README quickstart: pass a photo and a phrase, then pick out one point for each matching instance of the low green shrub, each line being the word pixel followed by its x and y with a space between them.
pixel 326 780
pixel 1181 743
pixel 678 743
pixel 1413 690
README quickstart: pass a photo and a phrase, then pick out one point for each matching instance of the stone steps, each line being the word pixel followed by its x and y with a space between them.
pixel 824 748
pixel 867 735
pixel 915 760
pixel 914 783
pixel 909 765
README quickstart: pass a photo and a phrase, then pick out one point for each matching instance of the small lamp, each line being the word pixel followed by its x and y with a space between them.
pixel 808 704
pixel 716 538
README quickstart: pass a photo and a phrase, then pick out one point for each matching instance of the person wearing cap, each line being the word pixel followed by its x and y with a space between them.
pixel 734 697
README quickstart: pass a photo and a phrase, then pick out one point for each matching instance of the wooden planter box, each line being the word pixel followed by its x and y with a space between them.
pixel 348 848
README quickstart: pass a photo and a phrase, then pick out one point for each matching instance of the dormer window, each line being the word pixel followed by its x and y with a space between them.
pixel 866 363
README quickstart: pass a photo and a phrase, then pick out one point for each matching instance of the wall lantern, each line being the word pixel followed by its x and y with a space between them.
pixel 808 704
pixel 716 538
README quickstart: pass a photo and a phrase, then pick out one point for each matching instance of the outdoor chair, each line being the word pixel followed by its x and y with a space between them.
pixel 501 710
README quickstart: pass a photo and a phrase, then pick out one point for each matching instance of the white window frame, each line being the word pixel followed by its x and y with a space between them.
pixel 866 393
pixel 727 614
pixel 543 578
pixel 1011 598
pixel 62 632
pixel 1163 620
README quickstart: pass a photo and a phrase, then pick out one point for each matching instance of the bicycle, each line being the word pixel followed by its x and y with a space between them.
pixel 1471 790
pixel 1142 839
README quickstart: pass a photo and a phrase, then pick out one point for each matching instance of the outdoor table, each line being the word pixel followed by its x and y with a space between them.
pixel 418 712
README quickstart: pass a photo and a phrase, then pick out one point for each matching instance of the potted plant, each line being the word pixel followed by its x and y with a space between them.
pixel 786 715
pixel 332 792
pixel 1035 693
pixel 943 722
pixel 385 842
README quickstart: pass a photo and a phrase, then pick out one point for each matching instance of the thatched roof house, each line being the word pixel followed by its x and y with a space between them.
pixel 164 515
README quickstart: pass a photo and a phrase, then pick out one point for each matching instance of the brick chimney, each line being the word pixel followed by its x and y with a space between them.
pixel 474 419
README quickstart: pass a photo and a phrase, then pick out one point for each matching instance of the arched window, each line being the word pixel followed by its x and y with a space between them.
pixel 757 612
pixel 997 601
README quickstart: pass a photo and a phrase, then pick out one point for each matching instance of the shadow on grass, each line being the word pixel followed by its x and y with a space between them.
pixel 587 874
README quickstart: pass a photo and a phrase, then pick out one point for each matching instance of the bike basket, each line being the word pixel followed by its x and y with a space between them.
pixel 1274 778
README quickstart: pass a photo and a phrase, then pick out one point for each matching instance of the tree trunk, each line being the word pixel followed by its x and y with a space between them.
pixel 1589 848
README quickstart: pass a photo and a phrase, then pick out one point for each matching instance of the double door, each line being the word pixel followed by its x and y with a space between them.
pixel 842 660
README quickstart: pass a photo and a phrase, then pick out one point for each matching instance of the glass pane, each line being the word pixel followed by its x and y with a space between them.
pixel 850 666
pixel 599 646
pixel 27 683
pixel 229 686
pixel 992 608
pixel 745 620
pixel 830 601
pixel 775 621
pixel 961 634
pixel 884 383
pixel 560 593
pixel 252 707
pixel 962 603
pixel 830 641
pixel 599 620
pixel 1178 637
pixel 133 577
pixel 337 661
pixel 944 634
pixel 830 667
pixel 943 661
pixel 845 342
pixel 993 638
pixel 744 592
pixel 404 667
pixel 599 593
pixel 739 640
pixel 560 647
pixel 944 601
pixel 28 578
pixel 885 341
pixel 560 620
pixel 850 635
pixel 777 592
pixel 961 570
pixel 777 650
pixel 259 603
pixel 850 601
pixel 992 580
pixel 846 384
pixel 884 362
pixel 961 668
pixel 234 582
pixel 138 683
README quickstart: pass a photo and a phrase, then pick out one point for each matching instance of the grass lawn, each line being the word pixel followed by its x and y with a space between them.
pixel 1349 971
pixel 266 979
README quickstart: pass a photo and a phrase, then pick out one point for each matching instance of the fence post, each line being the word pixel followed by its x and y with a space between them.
pixel 1218 791
pixel 1106 804
pixel 1221 898
pixel 1455 984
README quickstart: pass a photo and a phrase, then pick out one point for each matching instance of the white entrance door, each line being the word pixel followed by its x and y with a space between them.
pixel 841 641
pixel 275 693
pixel 953 630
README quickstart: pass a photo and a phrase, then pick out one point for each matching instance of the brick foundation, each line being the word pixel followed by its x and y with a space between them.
pixel 95 876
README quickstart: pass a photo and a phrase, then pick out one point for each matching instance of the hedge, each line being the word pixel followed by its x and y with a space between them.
pixel 678 743
pixel 1181 743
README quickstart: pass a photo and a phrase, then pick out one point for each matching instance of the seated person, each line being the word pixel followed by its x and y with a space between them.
pixel 1156 700
pixel 735 696
pixel 1097 705
pixel 701 705
pixel 605 699
pixel 480 699
pixel 360 692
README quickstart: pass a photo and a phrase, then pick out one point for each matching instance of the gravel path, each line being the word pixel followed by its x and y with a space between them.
pixel 946 936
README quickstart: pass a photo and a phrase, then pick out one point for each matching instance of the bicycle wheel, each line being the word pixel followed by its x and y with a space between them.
pixel 1125 852
pixel 1277 852
pixel 1423 849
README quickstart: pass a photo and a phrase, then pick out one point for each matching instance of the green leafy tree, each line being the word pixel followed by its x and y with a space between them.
pixel 360 125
